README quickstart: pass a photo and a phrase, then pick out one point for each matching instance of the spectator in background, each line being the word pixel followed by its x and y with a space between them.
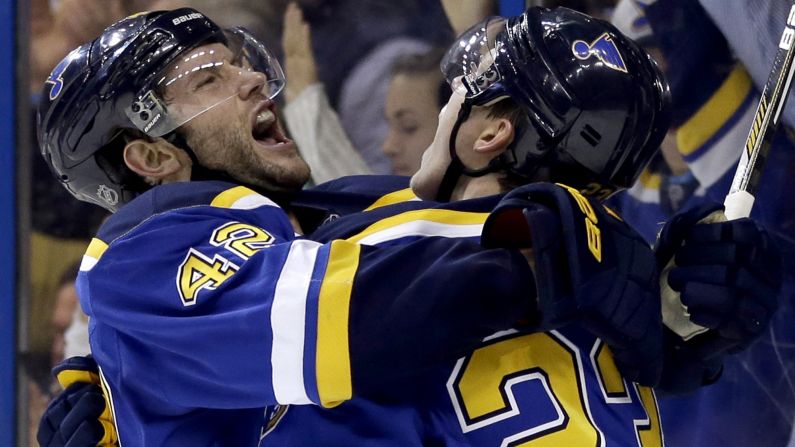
pixel 66 303
pixel 667 185
pixel 355 44
pixel 416 93
pixel 760 23
pixel 311 121
pixel 69 320
pixel 462 14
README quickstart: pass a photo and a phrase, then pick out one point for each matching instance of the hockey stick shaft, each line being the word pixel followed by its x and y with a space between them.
pixel 740 198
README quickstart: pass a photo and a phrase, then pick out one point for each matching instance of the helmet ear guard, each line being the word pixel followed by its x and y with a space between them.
pixel 597 106
pixel 114 87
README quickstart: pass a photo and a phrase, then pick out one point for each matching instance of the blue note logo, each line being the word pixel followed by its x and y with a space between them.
pixel 604 49
pixel 56 78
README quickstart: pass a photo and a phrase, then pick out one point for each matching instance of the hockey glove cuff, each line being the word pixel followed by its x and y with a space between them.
pixel 79 416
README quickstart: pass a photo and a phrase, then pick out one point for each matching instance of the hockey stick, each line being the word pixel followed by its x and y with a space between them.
pixel 740 198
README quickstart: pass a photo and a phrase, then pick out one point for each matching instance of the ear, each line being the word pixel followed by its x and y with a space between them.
pixel 157 161
pixel 495 137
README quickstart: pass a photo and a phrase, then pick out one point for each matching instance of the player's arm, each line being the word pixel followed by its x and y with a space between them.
pixel 589 266
pixel 257 318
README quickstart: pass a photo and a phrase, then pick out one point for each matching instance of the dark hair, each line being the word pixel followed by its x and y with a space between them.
pixel 111 159
pixel 424 63
pixel 506 108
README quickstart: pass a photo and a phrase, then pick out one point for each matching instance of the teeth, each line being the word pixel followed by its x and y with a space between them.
pixel 266 117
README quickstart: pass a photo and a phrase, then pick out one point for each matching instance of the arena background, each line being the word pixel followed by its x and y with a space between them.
pixel 9 176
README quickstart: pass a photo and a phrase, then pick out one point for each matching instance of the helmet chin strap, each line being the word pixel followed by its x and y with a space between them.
pixel 456 167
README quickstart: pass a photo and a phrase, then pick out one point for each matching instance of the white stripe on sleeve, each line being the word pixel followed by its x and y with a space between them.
pixel 422 228
pixel 288 320
pixel 252 201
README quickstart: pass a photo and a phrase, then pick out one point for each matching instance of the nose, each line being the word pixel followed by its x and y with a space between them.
pixel 390 148
pixel 251 84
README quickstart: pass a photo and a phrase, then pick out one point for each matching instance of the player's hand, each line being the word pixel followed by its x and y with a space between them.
pixel 590 268
pixel 728 276
pixel 79 416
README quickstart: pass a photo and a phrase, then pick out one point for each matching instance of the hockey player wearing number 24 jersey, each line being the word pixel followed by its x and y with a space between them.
pixel 558 387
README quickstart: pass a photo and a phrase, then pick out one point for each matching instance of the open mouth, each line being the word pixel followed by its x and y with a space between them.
pixel 266 129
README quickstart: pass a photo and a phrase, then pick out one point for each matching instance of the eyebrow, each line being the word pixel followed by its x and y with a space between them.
pixel 405 113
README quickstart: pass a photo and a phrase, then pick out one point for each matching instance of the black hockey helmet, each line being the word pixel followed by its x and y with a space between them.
pixel 596 105
pixel 117 83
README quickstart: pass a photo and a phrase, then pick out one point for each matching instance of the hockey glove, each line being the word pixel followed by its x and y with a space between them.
pixel 79 416
pixel 725 277
pixel 590 267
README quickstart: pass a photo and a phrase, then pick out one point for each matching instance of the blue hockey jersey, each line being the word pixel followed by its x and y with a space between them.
pixel 544 389
pixel 205 307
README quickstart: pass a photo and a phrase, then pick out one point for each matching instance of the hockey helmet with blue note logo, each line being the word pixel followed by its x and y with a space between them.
pixel 596 106
pixel 119 85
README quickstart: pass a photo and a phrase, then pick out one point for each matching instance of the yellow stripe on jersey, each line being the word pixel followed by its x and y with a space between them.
pixel 228 198
pixel 333 357
pixel 108 416
pixel 715 112
pixel 241 198
pixel 94 251
pixel 650 180
pixel 446 217
pixel 96 248
pixel 404 195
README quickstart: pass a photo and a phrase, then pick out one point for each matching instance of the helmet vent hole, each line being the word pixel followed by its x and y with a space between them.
pixel 590 135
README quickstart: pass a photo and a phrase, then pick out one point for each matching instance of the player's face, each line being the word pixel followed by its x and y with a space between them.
pixel 240 134
pixel 412 115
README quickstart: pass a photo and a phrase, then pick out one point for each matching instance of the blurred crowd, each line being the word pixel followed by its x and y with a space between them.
pixel 363 96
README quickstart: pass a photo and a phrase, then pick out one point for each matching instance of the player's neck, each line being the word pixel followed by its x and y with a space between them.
pixel 294 221
pixel 474 187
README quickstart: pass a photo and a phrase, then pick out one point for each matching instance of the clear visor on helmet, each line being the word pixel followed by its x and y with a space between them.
pixel 469 65
pixel 203 78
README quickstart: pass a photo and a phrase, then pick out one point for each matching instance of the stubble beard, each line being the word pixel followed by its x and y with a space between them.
pixel 235 155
